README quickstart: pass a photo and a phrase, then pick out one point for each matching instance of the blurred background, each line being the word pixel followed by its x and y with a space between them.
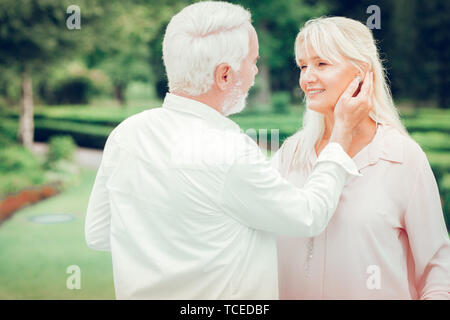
pixel 63 90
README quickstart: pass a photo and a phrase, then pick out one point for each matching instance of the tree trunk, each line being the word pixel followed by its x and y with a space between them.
pixel 26 125
pixel 262 97
pixel 119 94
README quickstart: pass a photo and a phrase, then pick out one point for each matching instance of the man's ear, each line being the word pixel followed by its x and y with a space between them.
pixel 223 76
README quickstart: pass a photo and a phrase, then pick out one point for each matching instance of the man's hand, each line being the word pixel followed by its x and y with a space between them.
pixel 350 110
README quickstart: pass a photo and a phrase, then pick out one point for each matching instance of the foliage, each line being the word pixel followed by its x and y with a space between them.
pixel 75 90
pixel 432 140
pixel 440 163
pixel 34 33
pixel 7 133
pixel 277 24
pixel 17 158
pixel 413 41
pixel 61 148
pixel 71 83
pixel 19 168
pixel 126 54
pixel 428 124
pixel 281 101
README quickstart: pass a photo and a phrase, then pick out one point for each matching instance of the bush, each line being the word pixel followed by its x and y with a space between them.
pixel 7 135
pixel 281 101
pixel 19 168
pixel 13 182
pixel 61 148
pixel 17 158
pixel 72 90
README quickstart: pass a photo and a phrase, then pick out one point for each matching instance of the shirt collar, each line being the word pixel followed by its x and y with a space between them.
pixel 387 145
pixel 196 108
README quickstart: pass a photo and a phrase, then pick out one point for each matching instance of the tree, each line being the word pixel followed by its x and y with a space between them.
pixel 277 24
pixel 414 43
pixel 123 55
pixel 33 34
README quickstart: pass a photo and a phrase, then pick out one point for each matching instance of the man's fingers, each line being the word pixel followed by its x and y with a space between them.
pixel 367 84
pixel 371 84
pixel 348 93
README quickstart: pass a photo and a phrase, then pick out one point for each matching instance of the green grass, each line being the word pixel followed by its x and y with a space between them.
pixel 34 257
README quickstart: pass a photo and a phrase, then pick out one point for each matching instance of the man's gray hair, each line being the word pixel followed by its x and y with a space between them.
pixel 199 38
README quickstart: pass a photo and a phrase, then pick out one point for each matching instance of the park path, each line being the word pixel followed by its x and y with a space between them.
pixel 85 157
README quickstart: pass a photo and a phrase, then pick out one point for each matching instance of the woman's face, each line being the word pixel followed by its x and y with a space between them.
pixel 323 82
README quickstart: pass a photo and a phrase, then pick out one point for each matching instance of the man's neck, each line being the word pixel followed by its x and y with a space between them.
pixel 209 99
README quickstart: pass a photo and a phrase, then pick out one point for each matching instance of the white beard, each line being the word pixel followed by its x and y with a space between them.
pixel 235 102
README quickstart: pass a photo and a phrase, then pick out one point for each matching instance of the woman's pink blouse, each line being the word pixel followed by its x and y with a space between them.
pixel 387 238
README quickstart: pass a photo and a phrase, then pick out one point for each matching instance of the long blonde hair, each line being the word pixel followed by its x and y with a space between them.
pixel 334 39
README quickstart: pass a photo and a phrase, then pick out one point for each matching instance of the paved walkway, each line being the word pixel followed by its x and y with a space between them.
pixel 85 157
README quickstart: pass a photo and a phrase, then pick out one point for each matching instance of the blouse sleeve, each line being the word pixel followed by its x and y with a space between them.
pixel 428 236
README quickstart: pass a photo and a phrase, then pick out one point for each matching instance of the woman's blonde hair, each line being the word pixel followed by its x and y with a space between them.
pixel 334 39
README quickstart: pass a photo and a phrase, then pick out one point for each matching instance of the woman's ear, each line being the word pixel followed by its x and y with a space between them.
pixel 223 76
pixel 365 67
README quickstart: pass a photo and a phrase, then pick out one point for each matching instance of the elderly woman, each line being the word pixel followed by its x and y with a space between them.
pixel 387 239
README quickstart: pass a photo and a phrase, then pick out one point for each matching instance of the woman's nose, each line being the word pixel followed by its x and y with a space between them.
pixel 309 75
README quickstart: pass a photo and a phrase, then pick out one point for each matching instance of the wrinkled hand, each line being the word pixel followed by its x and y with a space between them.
pixel 351 109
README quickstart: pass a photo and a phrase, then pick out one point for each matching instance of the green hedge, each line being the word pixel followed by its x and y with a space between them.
pixel 445 194
pixel 432 141
pixel 84 135
pixel 440 163
pixel 424 124
pixel 79 114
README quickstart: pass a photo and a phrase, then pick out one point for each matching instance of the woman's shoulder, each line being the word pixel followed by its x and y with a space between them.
pixel 397 141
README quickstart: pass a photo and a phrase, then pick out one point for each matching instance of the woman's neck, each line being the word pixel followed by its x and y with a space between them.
pixel 362 136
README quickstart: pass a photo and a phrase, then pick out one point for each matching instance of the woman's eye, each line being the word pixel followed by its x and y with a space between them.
pixel 322 64
pixel 302 67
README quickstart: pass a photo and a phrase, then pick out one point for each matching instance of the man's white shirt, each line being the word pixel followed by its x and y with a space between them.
pixel 190 207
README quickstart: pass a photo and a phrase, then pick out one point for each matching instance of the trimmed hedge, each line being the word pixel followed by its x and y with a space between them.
pixel 440 163
pixel 432 141
pixel 84 135
pixel 428 124
pixel 445 193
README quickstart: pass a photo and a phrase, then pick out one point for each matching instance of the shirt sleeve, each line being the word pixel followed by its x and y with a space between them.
pixel 275 160
pixel 428 237
pixel 256 195
pixel 98 216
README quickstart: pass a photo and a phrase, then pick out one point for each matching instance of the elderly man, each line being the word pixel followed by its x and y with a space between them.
pixel 187 204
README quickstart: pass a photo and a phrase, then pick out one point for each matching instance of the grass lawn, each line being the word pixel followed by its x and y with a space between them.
pixel 34 257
